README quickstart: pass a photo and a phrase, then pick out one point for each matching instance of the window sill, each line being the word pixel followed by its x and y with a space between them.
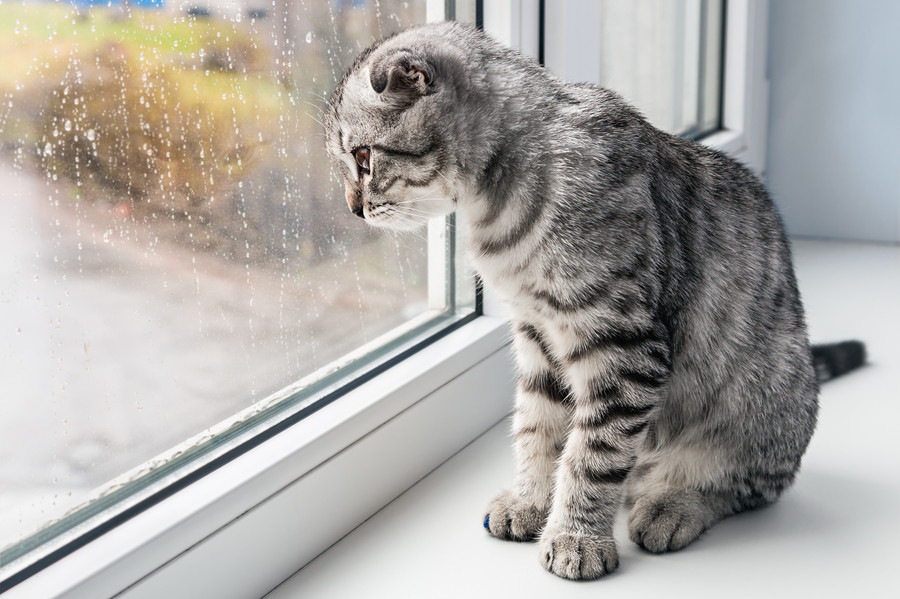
pixel 248 514
pixel 733 143
pixel 833 534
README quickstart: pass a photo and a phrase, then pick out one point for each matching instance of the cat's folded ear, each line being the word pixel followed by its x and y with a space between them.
pixel 402 76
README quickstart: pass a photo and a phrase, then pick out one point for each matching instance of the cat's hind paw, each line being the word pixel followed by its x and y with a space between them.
pixel 667 523
pixel 514 519
pixel 578 556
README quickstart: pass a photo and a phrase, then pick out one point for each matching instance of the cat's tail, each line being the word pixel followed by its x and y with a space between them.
pixel 835 359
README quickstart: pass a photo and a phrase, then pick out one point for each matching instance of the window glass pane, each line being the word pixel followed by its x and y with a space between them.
pixel 176 247
pixel 665 56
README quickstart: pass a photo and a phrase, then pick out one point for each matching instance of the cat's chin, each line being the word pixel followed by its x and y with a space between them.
pixel 396 224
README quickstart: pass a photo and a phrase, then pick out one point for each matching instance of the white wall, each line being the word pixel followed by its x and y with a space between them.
pixel 833 160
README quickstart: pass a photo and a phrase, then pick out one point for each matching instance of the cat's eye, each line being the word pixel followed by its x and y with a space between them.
pixel 363 156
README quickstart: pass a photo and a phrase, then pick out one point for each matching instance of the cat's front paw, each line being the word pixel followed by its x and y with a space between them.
pixel 509 517
pixel 577 555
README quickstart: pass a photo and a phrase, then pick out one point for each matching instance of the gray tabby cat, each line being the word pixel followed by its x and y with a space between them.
pixel 661 347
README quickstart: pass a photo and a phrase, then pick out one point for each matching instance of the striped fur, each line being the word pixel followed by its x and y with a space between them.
pixel 660 340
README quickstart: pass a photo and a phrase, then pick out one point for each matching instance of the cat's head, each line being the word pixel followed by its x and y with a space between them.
pixel 392 129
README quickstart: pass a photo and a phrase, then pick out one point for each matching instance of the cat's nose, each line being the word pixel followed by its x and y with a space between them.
pixel 353 195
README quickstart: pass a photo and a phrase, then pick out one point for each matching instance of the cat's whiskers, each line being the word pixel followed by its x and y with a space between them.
pixel 314 118
pixel 400 234
pixel 427 214
pixel 318 107
pixel 412 210
pixel 319 96
pixel 404 214
pixel 417 234
pixel 422 215
pixel 426 199
pixel 412 230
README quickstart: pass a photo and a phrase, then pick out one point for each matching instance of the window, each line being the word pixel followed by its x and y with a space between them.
pixel 663 56
pixel 183 278
pixel 698 69
pixel 251 522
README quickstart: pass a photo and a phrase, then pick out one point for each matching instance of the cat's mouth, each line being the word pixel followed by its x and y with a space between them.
pixel 411 210
pixel 393 215
pixel 404 215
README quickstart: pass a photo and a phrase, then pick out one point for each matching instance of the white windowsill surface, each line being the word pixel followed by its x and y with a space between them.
pixel 833 534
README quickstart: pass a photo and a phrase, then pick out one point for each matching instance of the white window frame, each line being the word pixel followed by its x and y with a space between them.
pixel 745 106
pixel 243 529
pixel 575 56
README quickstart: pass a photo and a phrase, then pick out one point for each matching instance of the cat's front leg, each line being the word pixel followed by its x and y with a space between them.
pixel 617 380
pixel 542 414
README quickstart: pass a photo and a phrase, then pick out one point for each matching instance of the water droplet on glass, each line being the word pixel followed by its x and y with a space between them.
pixel 68 125
pixel 309 37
